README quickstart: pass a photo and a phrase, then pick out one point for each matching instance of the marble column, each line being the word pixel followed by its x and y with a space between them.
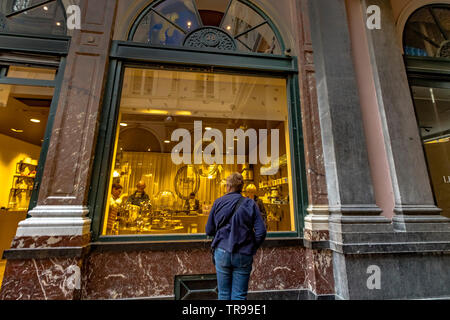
pixel 364 243
pixel 352 205
pixel 319 277
pixel 415 208
pixel 60 218
pixel 350 190
pixel 316 222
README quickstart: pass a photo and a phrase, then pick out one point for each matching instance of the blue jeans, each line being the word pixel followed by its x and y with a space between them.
pixel 233 274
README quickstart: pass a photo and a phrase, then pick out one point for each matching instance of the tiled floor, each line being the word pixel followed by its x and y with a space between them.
pixel 2 270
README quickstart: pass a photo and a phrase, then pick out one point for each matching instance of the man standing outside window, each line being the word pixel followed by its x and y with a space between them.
pixel 239 231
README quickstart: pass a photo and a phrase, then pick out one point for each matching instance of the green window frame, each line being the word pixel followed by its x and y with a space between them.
pixel 126 54
pixel 134 54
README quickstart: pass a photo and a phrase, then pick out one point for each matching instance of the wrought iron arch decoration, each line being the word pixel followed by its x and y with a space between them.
pixel 243 27
pixel 33 17
pixel 427 32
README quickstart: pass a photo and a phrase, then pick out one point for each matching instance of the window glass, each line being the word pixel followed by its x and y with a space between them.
pixel 432 109
pixel 260 40
pixel 170 22
pixel 240 18
pixel 156 30
pixel 24 112
pixel 427 32
pixel 20 72
pixel 180 134
pixel 181 12
pixel 48 18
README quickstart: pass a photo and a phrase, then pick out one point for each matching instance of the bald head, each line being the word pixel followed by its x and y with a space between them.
pixel 141 186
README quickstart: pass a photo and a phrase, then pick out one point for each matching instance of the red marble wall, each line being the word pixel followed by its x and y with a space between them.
pixel 151 273
pixel 49 279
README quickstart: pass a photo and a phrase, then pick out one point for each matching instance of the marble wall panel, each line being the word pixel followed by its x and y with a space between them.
pixel 145 274
pixel 49 279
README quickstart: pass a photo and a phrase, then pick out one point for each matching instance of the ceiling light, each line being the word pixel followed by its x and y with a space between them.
pixel 228 27
pixel 17 130
pixel 123 124
pixel 154 111
pixel 45 8
pixel 58 24
pixel 167 141
pixel 183 113
pixel 208 128
pixel 35 120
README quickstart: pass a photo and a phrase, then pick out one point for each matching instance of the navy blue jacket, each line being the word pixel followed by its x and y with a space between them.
pixel 245 231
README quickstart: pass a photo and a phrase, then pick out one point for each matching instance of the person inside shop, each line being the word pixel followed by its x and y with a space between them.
pixel 250 192
pixel 139 196
pixel 114 203
pixel 238 230
pixel 192 204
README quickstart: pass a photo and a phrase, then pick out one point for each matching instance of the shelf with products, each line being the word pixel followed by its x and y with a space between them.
pixel 22 184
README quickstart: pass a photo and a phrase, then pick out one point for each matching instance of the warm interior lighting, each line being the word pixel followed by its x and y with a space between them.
pixel 35 120
pixel 45 8
pixel 228 27
pixel 154 111
pixel 17 130
pixel 116 174
pixel 124 124
pixel 183 113
pixel 167 141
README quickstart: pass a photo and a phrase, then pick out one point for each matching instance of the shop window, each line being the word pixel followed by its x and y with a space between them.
pixel 221 24
pixel 24 112
pixel 432 108
pixel 33 17
pixel 427 32
pixel 180 134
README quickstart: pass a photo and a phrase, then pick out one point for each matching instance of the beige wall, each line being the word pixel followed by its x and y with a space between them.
pixel 11 152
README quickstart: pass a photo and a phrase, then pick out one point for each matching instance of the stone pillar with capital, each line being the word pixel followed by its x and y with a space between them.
pixel 415 208
pixel 315 233
pixel 46 256
pixel 360 236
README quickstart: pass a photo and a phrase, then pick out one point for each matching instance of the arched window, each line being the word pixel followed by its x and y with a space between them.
pixel 427 47
pixel 427 32
pixel 33 17
pixel 220 24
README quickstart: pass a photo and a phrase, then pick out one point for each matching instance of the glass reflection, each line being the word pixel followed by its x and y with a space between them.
pixel 162 196
pixel 427 32
pixel 156 30
pixel 433 113
pixel 48 18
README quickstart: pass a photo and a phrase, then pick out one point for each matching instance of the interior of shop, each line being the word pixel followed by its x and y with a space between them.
pixel 176 198
pixel 24 114
pixel 433 113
